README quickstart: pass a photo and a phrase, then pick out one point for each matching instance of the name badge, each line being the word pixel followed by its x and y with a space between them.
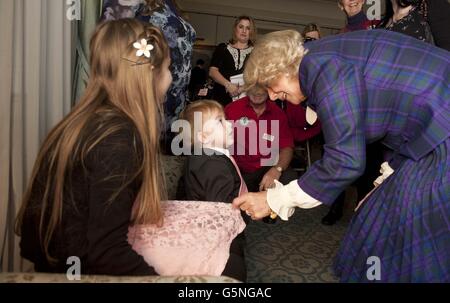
pixel 203 92
pixel 268 137
pixel 244 121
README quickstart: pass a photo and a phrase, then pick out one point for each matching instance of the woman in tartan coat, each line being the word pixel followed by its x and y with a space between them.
pixel 367 86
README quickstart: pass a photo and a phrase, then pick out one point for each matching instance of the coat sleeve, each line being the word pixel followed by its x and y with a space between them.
pixel 338 94
pixel 215 180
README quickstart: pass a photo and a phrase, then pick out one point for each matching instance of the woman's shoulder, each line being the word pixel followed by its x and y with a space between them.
pixel 219 54
pixel 220 48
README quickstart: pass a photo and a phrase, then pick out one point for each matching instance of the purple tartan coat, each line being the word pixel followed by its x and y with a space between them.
pixel 368 86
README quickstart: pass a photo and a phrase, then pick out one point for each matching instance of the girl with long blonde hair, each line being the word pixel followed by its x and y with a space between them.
pixel 98 170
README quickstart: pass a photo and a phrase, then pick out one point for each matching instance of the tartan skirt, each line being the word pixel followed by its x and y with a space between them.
pixel 404 224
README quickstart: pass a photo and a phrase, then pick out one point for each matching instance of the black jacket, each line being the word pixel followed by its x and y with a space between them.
pixel 209 178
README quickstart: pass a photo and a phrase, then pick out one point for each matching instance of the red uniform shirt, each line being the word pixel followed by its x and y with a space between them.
pixel 256 139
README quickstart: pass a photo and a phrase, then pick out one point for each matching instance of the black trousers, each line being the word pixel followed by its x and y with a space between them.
pixel 235 267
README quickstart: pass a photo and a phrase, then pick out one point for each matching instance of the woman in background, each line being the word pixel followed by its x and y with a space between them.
pixel 229 60
pixel 356 18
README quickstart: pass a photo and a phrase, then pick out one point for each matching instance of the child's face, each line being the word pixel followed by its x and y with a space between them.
pixel 218 131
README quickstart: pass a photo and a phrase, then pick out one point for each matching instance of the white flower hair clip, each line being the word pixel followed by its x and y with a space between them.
pixel 143 48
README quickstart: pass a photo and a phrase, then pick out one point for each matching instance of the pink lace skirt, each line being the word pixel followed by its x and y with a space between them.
pixel 194 240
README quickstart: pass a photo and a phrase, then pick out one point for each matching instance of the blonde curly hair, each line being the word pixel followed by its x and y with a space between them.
pixel 274 54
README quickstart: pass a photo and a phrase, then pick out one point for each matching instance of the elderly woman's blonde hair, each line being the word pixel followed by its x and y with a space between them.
pixel 274 54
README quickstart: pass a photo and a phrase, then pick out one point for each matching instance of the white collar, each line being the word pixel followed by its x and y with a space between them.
pixel 226 152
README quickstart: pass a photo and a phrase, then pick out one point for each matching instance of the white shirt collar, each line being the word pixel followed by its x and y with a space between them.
pixel 221 150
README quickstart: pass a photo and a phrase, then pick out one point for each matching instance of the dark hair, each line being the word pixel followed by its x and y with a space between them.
pixel 389 11
pixel 200 62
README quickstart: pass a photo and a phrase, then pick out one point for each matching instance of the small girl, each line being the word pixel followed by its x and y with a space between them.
pixel 199 237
